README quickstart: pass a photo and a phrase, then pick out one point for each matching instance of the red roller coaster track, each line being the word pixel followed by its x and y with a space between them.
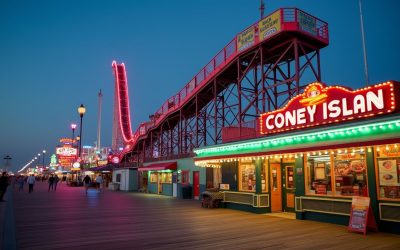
pixel 296 29
pixel 121 84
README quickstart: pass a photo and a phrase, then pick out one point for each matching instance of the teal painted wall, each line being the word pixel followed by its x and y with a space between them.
pixel 188 164
pixel 152 188
pixel 166 189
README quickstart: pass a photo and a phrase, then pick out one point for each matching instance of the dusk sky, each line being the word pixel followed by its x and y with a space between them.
pixel 56 55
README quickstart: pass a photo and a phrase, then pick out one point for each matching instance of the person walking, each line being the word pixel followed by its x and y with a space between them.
pixel 99 183
pixel 51 183
pixel 86 183
pixel 4 181
pixel 21 182
pixel 56 180
pixel 31 181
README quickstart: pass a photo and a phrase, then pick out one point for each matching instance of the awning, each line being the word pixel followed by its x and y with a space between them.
pixel 108 167
pixel 160 166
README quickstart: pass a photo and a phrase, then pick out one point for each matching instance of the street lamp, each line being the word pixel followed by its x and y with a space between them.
pixel 44 152
pixel 38 160
pixel 81 111
pixel 73 127
pixel 7 158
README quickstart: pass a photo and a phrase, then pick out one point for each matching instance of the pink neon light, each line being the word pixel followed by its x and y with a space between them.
pixel 127 135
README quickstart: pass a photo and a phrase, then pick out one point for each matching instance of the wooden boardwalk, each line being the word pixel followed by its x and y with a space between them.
pixel 68 219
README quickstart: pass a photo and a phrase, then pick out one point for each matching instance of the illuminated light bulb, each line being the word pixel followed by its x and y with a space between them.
pixel 378 149
pixel 339 151
pixel 395 145
pixel 326 152
pixel 387 147
pixel 295 156
pixel 345 151
pixel 308 154
pixel 332 152
pixel 319 153
pixel 313 153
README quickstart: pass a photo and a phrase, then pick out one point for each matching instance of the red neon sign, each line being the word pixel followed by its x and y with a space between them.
pixel 320 105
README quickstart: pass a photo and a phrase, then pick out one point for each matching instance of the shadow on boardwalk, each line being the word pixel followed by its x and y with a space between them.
pixel 70 219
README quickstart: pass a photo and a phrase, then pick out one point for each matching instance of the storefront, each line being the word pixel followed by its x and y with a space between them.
pixel 157 178
pixel 180 178
pixel 311 157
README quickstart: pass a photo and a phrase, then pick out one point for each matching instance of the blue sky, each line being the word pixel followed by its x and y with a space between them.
pixel 56 55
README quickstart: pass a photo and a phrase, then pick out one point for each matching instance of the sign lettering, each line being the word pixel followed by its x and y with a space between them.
pixel 320 105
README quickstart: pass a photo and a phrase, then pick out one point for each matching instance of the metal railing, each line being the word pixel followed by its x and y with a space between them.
pixel 291 19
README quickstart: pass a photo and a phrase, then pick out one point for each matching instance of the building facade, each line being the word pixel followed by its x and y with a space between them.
pixel 313 156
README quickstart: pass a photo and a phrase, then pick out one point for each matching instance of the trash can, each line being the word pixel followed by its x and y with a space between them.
pixel 187 192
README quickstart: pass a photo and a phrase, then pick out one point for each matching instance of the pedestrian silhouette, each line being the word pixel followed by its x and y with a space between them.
pixel 31 181
pixel 3 185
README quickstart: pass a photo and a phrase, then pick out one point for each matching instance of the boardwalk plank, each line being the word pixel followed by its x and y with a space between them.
pixel 68 219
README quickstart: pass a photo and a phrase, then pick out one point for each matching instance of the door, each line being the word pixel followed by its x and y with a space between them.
pixel 288 187
pixel 123 181
pixel 159 183
pixel 276 187
pixel 196 184
pixel 174 184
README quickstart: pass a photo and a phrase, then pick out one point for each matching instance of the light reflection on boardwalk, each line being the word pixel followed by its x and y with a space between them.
pixel 68 219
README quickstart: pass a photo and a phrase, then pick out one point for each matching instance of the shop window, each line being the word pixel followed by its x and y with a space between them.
pixel 319 174
pixel 166 177
pixel 387 165
pixel 247 176
pixel 350 173
pixel 185 177
pixel 346 177
pixel 154 177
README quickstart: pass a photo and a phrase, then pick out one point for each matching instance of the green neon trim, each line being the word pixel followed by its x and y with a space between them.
pixel 354 132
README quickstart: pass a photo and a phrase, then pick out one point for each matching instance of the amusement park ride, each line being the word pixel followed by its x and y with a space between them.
pixel 258 71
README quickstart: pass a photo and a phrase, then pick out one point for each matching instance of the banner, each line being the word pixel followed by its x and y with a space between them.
pixel 270 25
pixel 307 23
pixel 245 39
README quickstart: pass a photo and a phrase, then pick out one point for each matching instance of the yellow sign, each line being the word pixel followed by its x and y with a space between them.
pixel 270 25
pixel 245 39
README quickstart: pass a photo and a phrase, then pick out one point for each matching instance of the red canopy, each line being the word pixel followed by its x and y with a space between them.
pixel 159 166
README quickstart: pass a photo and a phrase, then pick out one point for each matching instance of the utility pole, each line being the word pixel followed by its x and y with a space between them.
pixel 363 43
pixel 262 7
pixel 100 96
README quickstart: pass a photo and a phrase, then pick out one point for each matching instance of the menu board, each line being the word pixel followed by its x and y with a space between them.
pixel 388 172
pixel 361 215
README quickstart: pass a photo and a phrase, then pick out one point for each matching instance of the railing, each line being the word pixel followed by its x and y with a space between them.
pixel 291 19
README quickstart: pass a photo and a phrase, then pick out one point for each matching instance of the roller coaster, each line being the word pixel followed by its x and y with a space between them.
pixel 259 70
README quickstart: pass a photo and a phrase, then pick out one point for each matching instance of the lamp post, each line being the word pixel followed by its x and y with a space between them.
pixel 38 160
pixel 44 152
pixel 81 111
pixel 73 127
pixel 7 158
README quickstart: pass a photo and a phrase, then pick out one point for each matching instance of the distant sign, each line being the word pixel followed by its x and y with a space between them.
pixel 270 25
pixel 307 23
pixel 245 39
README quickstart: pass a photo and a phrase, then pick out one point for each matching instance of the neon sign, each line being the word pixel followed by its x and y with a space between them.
pixel 66 151
pixel 320 105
